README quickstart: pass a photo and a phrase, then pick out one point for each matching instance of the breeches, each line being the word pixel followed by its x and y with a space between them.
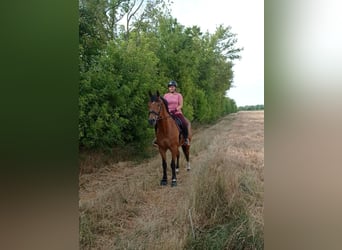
pixel 184 124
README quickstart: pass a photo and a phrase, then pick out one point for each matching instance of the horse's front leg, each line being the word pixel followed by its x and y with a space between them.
pixel 163 181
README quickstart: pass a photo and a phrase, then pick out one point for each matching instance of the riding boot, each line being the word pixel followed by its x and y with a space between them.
pixel 185 134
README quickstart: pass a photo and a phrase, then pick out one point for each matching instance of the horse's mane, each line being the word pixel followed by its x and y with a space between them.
pixel 166 104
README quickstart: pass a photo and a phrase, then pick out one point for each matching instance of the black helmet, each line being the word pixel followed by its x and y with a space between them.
pixel 172 83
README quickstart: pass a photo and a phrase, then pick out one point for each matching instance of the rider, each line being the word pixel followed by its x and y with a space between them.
pixel 175 104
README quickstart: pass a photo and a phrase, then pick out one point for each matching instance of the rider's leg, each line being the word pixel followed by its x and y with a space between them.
pixel 185 129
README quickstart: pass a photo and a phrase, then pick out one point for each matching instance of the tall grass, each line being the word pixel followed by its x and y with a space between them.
pixel 226 198
pixel 227 210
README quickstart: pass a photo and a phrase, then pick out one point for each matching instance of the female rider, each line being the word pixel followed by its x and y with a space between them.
pixel 175 104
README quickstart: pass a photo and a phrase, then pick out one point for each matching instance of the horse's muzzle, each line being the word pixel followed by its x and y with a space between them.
pixel 152 122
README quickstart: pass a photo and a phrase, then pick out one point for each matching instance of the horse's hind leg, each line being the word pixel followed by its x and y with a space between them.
pixel 173 168
pixel 175 155
pixel 186 151
pixel 177 163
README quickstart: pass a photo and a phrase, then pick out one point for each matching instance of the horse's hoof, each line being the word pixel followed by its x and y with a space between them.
pixel 163 182
pixel 188 169
pixel 177 170
pixel 174 183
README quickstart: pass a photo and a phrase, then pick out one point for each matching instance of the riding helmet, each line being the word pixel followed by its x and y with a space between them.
pixel 172 83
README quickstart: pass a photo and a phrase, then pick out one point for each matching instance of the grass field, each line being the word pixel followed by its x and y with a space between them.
pixel 217 205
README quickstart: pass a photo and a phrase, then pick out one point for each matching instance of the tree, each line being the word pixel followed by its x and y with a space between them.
pixel 120 63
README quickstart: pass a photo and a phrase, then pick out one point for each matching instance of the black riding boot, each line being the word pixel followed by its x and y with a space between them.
pixel 186 134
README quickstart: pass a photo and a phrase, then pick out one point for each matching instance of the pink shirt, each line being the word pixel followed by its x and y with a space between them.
pixel 174 100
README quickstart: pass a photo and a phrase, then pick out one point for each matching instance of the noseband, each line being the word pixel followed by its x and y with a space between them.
pixel 156 113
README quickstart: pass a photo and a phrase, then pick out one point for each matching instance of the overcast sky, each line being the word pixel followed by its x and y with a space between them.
pixel 246 17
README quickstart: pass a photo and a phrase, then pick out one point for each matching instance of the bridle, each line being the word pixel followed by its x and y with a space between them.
pixel 157 113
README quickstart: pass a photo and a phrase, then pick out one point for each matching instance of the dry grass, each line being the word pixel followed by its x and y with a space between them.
pixel 227 195
pixel 122 205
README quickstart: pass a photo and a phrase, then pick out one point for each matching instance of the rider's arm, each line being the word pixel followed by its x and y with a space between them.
pixel 180 102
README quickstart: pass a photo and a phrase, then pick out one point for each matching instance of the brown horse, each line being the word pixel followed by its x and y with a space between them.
pixel 167 135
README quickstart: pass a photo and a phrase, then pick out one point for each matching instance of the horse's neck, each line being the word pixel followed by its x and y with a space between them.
pixel 166 119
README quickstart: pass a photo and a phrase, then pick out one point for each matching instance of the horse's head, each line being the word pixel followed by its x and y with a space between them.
pixel 155 107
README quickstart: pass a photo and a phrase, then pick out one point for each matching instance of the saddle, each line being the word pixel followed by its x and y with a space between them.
pixel 179 124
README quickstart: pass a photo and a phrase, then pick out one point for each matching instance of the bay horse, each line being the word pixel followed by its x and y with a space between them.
pixel 167 136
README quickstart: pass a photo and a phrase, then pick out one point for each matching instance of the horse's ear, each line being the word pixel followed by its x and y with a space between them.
pixel 158 93
pixel 150 94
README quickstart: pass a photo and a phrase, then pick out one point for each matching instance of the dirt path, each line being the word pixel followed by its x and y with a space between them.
pixel 123 206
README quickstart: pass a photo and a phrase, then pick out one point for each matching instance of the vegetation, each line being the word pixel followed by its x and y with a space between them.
pixel 224 202
pixel 252 107
pixel 127 47
pixel 122 205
